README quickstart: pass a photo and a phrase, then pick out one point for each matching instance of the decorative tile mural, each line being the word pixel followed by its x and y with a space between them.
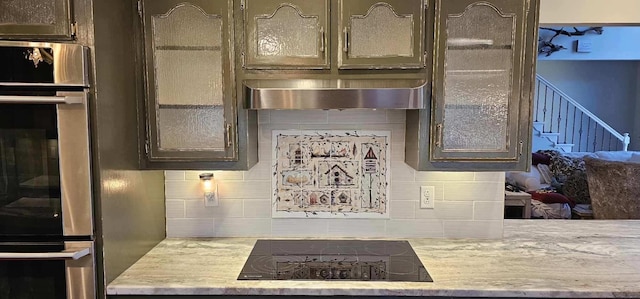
pixel 331 174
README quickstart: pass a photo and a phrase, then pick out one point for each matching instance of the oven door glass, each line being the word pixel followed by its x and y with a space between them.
pixel 47 270
pixel 30 195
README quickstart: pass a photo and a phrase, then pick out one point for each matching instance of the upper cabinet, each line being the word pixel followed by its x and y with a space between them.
pixel 297 34
pixel 381 34
pixel 35 19
pixel 291 34
pixel 190 105
pixel 484 60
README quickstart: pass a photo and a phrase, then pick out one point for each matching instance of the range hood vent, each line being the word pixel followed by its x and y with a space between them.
pixel 297 94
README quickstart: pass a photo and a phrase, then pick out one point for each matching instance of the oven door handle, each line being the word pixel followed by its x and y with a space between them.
pixel 41 99
pixel 67 254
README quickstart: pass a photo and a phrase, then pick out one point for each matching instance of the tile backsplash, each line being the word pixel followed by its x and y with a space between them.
pixel 467 204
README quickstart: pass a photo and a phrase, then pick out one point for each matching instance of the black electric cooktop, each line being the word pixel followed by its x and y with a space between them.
pixel 333 259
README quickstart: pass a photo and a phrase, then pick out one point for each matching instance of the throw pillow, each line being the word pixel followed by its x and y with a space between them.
pixel 537 158
pixel 545 173
pixel 576 187
pixel 551 197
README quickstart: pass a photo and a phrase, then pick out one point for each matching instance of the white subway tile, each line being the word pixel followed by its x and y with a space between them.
pixel 183 189
pixel 260 171
pixel 244 189
pixel 444 176
pixel 401 172
pixel 358 116
pixel 218 175
pixel 242 227
pixel 483 229
pixel 174 175
pixel 395 116
pixel 257 208
pixel 357 228
pixel 404 190
pixel 226 208
pixel 299 227
pixel 175 208
pixel 265 132
pixel 490 176
pixel 402 209
pixel 482 191
pixel 415 228
pixel 488 210
pixel 453 210
pixel 298 117
pixel 265 152
pixel 397 151
pixel 182 228
pixel 264 116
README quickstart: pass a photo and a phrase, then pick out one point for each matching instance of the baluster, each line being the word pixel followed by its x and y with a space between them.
pixel 610 141
pixel 580 131
pixel 559 115
pixel 602 139
pixel 566 121
pixel 573 126
pixel 553 101
pixel 544 109
pixel 537 99
pixel 588 132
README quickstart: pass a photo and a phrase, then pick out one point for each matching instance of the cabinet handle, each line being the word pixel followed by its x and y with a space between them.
pixel 521 148
pixel 228 135
pixel 322 47
pixel 346 40
pixel 439 135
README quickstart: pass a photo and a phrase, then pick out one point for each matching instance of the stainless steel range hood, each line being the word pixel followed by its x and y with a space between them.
pixel 297 94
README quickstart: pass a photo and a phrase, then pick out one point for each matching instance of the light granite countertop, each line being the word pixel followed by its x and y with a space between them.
pixel 536 258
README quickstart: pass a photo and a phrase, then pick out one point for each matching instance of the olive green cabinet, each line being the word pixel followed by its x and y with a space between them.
pixel 484 58
pixel 381 34
pixel 190 106
pixel 359 34
pixel 35 19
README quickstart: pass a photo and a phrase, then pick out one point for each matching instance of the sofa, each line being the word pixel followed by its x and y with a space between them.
pixel 614 187
pixel 558 181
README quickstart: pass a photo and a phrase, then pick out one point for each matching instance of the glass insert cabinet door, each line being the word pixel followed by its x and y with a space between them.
pixel 286 34
pixel 35 18
pixel 478 80
pixel 190 107
pixel 381 34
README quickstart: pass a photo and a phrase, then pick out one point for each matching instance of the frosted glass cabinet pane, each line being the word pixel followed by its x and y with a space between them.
pixel 35 19
pixel 187 25
pixel 478 80
pixel 28 11
pixel 199 128
pixel 188 57
pixel 381 33
pixel 188 77
pixel 287 33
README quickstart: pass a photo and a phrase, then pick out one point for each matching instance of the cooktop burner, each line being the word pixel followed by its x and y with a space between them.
pixel 333 259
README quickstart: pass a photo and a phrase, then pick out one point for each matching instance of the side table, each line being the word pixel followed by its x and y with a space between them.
pixel 519 199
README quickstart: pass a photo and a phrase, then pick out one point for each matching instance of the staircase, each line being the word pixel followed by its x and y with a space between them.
pixel 562 123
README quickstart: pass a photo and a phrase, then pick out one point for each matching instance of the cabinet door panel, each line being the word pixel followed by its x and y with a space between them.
pixel 374 34
pixel 290 34
pixel 24 19
pixel 190 104
pixel 478 81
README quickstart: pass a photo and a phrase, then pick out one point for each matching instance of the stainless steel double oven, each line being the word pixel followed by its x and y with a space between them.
pixel 46 223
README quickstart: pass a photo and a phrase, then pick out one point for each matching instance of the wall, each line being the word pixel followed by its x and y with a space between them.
pixel 615 43
pixel 466 204
pixel 635 132
pixel 607 88
pixel 589 12
pixel 128 202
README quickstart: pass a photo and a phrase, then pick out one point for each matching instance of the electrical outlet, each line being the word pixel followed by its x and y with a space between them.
pixel 211 198
pixel 427 194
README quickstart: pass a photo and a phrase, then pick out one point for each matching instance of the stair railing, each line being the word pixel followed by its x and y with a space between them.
pixel 576 125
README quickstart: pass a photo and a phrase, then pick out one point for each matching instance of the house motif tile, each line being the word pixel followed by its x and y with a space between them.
pixel 330 174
